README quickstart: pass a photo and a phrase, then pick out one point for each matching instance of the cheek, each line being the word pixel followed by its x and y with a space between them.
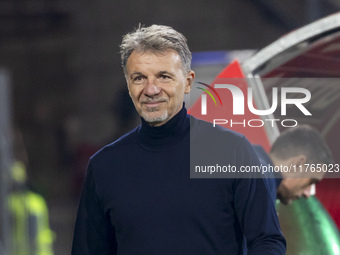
pixel 134 93
pixel 177 101
pixel 178 94
pixel 291 188
pixel 298 190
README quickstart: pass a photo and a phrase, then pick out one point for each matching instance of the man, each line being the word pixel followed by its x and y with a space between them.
pixel 300 148
pixel 138 197
pixel 29 230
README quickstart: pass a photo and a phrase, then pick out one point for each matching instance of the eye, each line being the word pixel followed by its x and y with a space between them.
pixel 138 79
pixel 164 77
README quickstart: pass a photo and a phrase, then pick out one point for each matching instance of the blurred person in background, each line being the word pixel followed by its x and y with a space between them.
pixel 299 148
pixel 29 225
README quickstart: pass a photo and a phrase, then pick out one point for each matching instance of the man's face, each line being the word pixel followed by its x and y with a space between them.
pixel 157 84
pixel 293 188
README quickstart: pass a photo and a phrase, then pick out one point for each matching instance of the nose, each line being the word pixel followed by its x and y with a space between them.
pixel 151 89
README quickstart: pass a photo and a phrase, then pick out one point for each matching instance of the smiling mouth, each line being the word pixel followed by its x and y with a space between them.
pixel 153 103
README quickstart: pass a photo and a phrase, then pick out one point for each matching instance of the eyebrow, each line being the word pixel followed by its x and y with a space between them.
pixel 159 73
pixel 166 72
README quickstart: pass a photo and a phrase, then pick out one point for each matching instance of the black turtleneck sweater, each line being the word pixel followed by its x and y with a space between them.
pixel 138 198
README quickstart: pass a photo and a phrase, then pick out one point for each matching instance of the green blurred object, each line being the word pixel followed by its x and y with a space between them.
pixel 308 228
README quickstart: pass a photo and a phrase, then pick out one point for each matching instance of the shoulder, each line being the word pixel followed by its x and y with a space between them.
pixel 121 145
pixel 215 145
pixel 207 130
pixel 207 138
pixel 259 149
pixel 262 154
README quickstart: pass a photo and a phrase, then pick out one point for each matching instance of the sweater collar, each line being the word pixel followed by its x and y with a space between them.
pixel 169 133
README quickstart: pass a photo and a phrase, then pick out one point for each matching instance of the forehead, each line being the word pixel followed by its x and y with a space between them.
pixel 168 58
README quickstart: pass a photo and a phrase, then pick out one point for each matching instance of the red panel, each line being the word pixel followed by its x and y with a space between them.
pixel 327 191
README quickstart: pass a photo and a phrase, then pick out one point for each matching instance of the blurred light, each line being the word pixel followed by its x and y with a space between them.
pixel 336 249
pixel 312 190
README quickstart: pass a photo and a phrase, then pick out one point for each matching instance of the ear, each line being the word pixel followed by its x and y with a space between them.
pixel 299 160
pixel 189 81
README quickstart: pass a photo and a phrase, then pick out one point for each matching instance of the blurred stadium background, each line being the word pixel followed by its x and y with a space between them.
pixel 62 84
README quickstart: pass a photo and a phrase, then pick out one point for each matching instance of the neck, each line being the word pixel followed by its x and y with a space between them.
pixel 169 133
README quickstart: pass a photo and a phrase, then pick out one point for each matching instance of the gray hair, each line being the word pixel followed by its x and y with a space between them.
pixel 302 139
pixel 155 38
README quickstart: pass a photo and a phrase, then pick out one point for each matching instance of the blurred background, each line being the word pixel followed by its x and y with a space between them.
pixel 66 91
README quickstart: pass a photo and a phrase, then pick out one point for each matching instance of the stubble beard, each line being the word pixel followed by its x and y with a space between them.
pixel 149 117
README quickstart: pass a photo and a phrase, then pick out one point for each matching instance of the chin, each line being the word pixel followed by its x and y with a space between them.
pixel 285 201
pixel 152 117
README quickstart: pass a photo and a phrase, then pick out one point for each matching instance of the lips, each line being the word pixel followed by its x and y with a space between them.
pixel 153 102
